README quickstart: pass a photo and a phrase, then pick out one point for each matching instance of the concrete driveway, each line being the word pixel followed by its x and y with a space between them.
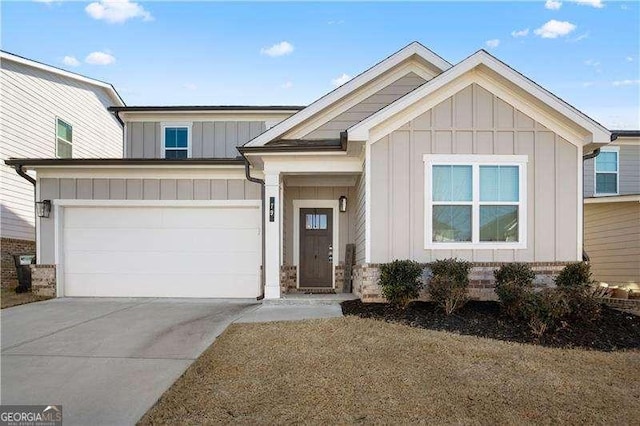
pixel 105 360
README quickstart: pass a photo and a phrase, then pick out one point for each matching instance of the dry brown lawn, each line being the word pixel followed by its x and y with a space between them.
pixel 352 370
pixel 9 298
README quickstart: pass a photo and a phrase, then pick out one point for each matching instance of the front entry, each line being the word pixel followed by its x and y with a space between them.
pixel 316 248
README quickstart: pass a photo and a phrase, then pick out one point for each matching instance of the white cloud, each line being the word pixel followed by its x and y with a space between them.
pixel 45 1
pixel 593 3
pixel 287 85
pixel 338 22
pixel 339 81
pixel 624 7
pixel 493 43
pixel 70 61
pixel 580 37
pixel 190 86
pixel 520 33
pixel 99 58
pixel 588 84
pixel 592 63
pixel 629 58
pixel 555 29
pixel 117 11
pixel 278 49
pixel 553 4
pixel 626 83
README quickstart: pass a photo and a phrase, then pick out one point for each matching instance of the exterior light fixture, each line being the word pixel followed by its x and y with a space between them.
pixel 342 202
pixel 43 208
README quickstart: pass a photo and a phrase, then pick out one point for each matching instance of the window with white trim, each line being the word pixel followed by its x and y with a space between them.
pixel 64 139
pixel 606 169
pixel 176 141
pixel 475 201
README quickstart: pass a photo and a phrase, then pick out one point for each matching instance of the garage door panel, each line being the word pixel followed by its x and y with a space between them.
pixel 161 251
pixel 195 285
pixel 184 240
pixel 160 262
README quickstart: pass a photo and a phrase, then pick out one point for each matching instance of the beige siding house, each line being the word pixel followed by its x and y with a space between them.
pixel 612 211
pixel 39 103
pixel 415 158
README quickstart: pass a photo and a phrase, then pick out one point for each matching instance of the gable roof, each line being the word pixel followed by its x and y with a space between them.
pixel 108 87
pixel 360 131
pixel 365 77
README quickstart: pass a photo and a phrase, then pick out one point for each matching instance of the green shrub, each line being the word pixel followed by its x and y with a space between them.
pixel 514 281
pixel 544 310
pixel 575 282
pixel 449 284
pixel 400 281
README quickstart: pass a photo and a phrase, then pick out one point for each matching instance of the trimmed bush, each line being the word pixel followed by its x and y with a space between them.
pixel 448 287
pixel 544 310
pixel 575 276
pixel 400 281
pixel 514 281
pixel 575 282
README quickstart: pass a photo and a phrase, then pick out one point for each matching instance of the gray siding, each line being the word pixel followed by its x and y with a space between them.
pixel 474 121
pixel 361 219
pixel 136 189
pixel 364 109
pixel 209 139
pixel 629 173
pixel 612 240
pixel 31 101
pixel 346 221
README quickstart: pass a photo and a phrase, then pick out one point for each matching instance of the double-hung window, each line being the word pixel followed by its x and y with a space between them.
pixel 176 140
pixel 64 139
pixel 607 166
pixel 475 201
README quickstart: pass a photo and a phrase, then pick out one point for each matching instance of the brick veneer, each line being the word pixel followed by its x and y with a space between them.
pixel 43 280
pixel 9 247
pixel 289 279
pixel 481 280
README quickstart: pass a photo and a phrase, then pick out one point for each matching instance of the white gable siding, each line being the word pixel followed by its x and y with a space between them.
pixel 31 101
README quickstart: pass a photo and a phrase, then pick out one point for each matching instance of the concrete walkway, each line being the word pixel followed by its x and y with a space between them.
pixel 107 361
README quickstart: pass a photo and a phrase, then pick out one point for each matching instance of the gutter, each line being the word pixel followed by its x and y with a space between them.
pixel 247 173
pixel 594 154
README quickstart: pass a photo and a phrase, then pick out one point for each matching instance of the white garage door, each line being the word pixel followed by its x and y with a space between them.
pixel 161 251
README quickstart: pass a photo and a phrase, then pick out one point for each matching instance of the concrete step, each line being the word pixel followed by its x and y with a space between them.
pixel 310 299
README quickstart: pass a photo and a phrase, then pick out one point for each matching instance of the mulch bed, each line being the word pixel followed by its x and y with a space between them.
pixel 614 330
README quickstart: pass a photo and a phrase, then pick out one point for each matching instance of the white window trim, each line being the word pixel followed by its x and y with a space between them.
pixel 62 139
pixel 316 204
pixel 186 125
pixel 615 149
pixel 475 161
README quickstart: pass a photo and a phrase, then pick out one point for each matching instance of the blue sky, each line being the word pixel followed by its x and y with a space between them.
pixel 164 53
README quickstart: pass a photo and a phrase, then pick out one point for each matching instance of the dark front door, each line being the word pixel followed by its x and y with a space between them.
pixel 316 247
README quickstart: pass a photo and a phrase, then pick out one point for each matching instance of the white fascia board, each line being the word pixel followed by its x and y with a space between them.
pixel 6 56
pixel 360 131
pixel 352 85
pixel 310 164
pixel 142 172
pixel 266 116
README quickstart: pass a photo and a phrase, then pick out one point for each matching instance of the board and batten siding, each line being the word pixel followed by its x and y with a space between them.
pixel 135 189
pixel 372 104
pixel 473 121
pixel 31 100
pixel 612 241
pixel 209 139
pixel 361 219
pixel 628 173
pixel 346 221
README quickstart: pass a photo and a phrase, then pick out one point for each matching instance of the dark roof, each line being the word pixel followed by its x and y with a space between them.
pixel 208 108
pixel 625 133
pixel 296 145
pixel 238 161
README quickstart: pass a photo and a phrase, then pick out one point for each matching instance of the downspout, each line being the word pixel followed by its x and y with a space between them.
pixel 594 154
pixel 24 175
pixel 124 132
pixel 18 168
pixel 247 173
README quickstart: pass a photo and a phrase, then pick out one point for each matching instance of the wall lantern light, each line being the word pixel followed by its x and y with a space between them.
pixel 43 208
pixel 342 202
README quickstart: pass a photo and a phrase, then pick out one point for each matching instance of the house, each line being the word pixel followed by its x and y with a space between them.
pixel 46 113
pixel 415 158
pixel 612 210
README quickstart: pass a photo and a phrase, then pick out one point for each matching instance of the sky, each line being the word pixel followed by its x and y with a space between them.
pixel 291 53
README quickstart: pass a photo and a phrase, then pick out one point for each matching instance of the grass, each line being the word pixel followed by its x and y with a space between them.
pixel 9 298
pixel 353 370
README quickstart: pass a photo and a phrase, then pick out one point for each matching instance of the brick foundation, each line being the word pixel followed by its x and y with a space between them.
pixel 289 279
pixel 9 247
pixel 481 280
pixel 43 280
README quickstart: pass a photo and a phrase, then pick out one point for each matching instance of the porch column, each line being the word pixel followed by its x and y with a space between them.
pixel 272 235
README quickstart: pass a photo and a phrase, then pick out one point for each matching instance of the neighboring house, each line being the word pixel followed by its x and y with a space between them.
pixel 612 210
pixel 415 158
pixel 46 113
